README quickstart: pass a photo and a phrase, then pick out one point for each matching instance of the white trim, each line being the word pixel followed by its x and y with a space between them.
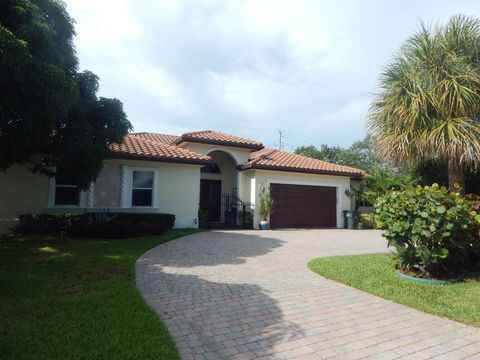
pixel 82 198
pixel 129 187
pixel 90 194
pixel 123 186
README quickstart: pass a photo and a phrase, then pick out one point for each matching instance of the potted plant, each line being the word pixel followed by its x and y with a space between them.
pixel 266 205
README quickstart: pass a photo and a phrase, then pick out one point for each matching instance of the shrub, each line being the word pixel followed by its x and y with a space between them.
pixel 96 225
pixel 431 229
pixel 368 221
pixel 266 206
pixel 380 181
pixel 475 206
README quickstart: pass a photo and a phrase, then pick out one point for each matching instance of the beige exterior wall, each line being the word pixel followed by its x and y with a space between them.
pixel 21 192
pixel 106 190
pixel 267 177
pixel 176 189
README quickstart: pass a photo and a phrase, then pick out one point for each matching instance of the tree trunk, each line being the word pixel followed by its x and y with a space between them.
pixel 456 176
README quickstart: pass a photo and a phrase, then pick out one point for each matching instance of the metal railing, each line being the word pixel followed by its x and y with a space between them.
pixel 234 212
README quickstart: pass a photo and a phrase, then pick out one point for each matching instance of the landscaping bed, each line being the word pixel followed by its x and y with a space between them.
pixel 375 274
pixel 73 298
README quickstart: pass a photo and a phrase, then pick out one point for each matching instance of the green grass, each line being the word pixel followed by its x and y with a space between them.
pixel 375 274
pixel 64 298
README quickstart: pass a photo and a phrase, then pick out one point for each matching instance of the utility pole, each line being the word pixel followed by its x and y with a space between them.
pixel 280 140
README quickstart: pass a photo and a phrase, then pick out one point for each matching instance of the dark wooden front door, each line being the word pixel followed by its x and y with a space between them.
pixel 303 206
pixel 210 198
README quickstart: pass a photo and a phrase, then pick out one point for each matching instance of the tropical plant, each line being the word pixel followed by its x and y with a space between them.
pixel 379 181
pixel 429 100
pixel 266 205
pixel 431 229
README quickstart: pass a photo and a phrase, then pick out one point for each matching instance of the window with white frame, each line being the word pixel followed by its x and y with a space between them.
pixel 142 188
pixel 67 193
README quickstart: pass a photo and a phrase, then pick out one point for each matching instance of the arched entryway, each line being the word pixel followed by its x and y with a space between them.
pixel 219 202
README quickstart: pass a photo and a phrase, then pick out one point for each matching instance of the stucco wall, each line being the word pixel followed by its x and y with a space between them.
pixel 267 177
pixel 107 187
pixel 21 192
pixel 177 189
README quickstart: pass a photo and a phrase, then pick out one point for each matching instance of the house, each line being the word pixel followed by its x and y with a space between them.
pixel 205 176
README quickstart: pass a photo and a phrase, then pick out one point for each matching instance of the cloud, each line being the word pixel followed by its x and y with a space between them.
pixel 248 67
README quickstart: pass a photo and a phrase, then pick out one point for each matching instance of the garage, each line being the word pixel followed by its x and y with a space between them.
pixel 303 206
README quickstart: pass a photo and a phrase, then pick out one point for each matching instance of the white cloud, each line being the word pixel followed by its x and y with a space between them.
pixel 250 67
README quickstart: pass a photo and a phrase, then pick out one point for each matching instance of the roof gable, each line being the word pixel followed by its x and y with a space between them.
pixel 219 138
pixel 271 159
pixel 140 147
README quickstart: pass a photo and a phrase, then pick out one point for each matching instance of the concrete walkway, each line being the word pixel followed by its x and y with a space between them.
pixel 249 295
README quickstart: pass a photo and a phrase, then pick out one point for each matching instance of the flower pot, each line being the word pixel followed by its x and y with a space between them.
pixel 264 225
pixel 425 281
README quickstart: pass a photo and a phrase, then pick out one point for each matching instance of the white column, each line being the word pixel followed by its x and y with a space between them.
pixel 90 195
pixel 123 187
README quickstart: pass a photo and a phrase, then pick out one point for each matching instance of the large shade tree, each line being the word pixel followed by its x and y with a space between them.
pixel 50 114
pixel 428 105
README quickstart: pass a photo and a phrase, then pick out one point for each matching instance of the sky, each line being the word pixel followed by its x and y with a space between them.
pixel 249 67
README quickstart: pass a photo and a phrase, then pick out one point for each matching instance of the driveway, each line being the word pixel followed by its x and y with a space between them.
pixel 249 294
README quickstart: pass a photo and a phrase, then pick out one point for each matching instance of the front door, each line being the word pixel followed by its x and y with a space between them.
pixel 210 198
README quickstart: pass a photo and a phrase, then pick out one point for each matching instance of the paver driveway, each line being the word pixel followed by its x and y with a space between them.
pixel 249 294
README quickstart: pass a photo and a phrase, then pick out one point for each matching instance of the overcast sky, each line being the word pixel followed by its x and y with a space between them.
pixel 251 68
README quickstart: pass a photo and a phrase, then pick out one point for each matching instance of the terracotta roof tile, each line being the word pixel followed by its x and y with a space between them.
pixel 161 138
pixel 282 160
pixel 138 147
pixel 161 147
pixel 215 137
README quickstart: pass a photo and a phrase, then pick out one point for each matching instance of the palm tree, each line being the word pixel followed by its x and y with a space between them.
pixel 428 106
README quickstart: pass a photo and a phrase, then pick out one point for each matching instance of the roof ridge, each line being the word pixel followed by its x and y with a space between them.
pixel 263 156
pixel 176 148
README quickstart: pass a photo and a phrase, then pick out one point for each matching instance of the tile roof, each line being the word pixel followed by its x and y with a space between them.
pixel 161 138
pixel 162 147
pixel 215 137
pixel 271 159
pixel 139 147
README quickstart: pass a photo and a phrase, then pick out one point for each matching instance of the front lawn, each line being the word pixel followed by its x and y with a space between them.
pixel 65 298
pixel 374 273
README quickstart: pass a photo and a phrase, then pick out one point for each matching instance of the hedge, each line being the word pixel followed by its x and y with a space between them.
pixel 96 225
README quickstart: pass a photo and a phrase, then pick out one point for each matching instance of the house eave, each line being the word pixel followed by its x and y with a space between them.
pixel 352 176
pixel 128 156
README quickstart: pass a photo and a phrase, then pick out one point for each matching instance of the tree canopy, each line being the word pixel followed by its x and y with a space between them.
pixel 359 155
pixel 428 105
pixel 50 114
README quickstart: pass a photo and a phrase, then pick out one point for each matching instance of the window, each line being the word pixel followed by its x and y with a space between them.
pixel 142 188
pixel 210 169
pixel 66 192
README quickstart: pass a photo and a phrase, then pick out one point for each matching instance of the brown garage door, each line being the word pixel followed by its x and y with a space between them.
pixel 302 206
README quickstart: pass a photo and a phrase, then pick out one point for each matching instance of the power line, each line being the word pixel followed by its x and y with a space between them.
pixel 281 143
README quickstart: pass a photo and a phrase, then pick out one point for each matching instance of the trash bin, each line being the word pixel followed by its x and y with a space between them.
pixel 350 219
pixel 345 219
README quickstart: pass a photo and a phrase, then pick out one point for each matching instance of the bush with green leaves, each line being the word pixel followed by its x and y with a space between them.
pixel 95 225
pixel 431 229
pixel 266 206
pixel 380 181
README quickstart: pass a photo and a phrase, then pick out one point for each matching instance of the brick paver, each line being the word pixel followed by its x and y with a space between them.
pixel 250 295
